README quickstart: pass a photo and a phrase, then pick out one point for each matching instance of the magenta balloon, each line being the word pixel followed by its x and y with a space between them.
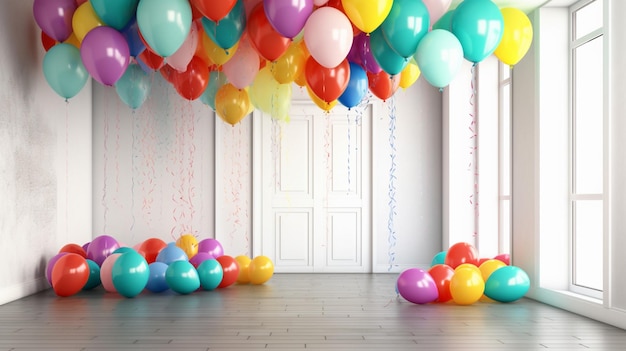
pixel 50 265
pixel 367 58
pixel 105 54
pixel 288 17
pixel 211 246
pixel 101 247
pixel 199 258
pixel 417 286
pixel 54 17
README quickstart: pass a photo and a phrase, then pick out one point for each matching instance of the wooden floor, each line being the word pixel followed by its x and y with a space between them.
pixel 293 312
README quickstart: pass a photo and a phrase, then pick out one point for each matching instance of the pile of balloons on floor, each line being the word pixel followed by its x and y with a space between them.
pixel 184 266
pixel 459 275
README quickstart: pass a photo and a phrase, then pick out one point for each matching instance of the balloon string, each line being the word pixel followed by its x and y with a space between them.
pixel 391 239
pixel 191 189
pixel 473 142
pixel 349 151
pixel 148 171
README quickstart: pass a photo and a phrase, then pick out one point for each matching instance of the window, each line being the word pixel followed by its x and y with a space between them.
pixel 587 166
pixel 505 162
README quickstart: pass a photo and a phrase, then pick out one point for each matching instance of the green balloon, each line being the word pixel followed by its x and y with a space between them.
pixel 64 70
pixel 182 277
pixel 130 274
pixel 164 24
pixel 210 273
pixel 115 13
pixel 507 284
pixel 479 25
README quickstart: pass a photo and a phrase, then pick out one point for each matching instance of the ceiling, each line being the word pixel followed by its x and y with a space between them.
pixel 525 5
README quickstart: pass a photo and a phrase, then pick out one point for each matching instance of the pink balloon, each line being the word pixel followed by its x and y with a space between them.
pixel 105 54
pixel 436 9
pixel 320 2
pixel 328 36
pixel 243 67
pixel 105 272
pixel 54 17
pixel 181 58
pixel 288 17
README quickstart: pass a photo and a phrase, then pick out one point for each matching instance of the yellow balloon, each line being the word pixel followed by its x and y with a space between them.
pixel 468 266
pixel 326 106
pixel 270 96
pixel 466 286
pixel 188 243
pixel 218 55
pixel 73 40
pixel 244 274
pixel 367 15
pixel 409 74
pixel 84 20
pixel 261 270
pixel 289 65
pixel 517 36
pixel 489 266
pixel 300 78
pixel 231 104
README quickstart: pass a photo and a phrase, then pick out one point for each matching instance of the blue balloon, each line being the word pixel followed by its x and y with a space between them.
pixel 171 253
pixel 211 274
pixel 388 60
pixel 134 86
pixel 156 281
pixel 164 24
pixel 439 56
pixel 94 275
pixel 130 274
pixel 64 70
pixel 131 34
pixel 357 86
pixel 216 80
pixel 228 30
pixel 439 258
pixel 479 25
pixel 507 284
pixel 405 25
pixel 182 277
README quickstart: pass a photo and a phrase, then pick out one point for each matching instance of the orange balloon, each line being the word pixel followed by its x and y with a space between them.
pixel 232 104
pixel 442 274
pixel 74 248
pixel 244 263
pixel 290 65
pixel 69 274
pixel 382 84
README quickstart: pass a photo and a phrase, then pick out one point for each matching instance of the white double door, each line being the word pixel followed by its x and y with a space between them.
pixel 315 190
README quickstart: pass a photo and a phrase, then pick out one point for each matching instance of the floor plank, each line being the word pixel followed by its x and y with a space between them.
pixel 293 312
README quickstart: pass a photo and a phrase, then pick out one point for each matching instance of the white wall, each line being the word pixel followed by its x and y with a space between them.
pixel 45 175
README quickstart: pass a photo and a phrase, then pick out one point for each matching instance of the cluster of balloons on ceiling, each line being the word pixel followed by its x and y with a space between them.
pixel 238 55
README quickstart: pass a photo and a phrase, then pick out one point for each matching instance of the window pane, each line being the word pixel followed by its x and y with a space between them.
pixel 505 141
pixel 588 244
pixel 588 118
pixel 587 19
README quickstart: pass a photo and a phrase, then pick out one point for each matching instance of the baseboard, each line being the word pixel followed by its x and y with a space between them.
pixel 18 291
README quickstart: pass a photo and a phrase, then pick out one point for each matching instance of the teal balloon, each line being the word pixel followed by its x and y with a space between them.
pixel 216 81
pixel 164 24
pixel 445 21
pixel 115 13
pixel 439 258
pixel 228 30
pixel 94 275
pixel 211 274
pixel 439 56
pixel 507 284
pixel 182 277
pixel 130 274
pixel 405 25
pixel 388 60
pixel 478 24
pixel 134 86
pixel 64 70
pixel 124 249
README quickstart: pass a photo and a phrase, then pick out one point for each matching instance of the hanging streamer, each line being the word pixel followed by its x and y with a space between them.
pixel 473 147
pixel 392 239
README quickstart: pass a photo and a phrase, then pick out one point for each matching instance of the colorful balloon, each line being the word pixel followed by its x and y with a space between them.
pixel 54 17
pixel 410 74
pixel 216 80
pixel 388 60
pixel 442 275
pixel 516 37
pixel 328 36
pixel 466 286
pixel 133 38
pixel 64 70
pixel 106 55
pixel 150 248
pixel 461 253
pixel 130 274
pixel 156 281
pixel 212 246
pixel 180 59
pixel 417 286
pixel 407 23
pixel 94 276
pixel 211 274
pixel 115 13
pixel 490 266
pixel 367 15
pixel 289 65
pixel 260 270
pixel 182 277
pixel 228 30
pixel 327 83
pixel 101 247
pixel 134 86
pixel 439 56
pixel 84 20
pixel 507 284
pixel 436 8
pixel 69 274
pixel 266 40
pixel 214 10
pixel 243 66
pixel 164 24
pixel 288 17
pixel 188 243
pixel 191 83
pixel 244 264
pixel 230 268
pixel 383 85
pixel 231 104
pixel 357 87
pixel 478 24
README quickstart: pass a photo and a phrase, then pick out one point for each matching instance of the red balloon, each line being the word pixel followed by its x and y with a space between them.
pixel 191 83
pixel 166 72
pixel 150 249
pixel 230 266
pixel 69 274
pixel 265 39
pixel 74 248
pixel 382 84
pixel 151 59
pixel 212 9
pixel 442 274
pixel 47 41
pixel 506 258
pixel 461 253
pixel 327 83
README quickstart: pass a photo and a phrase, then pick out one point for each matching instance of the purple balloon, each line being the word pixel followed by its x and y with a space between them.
pixel 199 258
pixel 54 17
pixel 417 286
pixel 367 58
pixel 211 246
pixel 50 265
pixel 101 247
pixel 105 54
pixel 288 17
